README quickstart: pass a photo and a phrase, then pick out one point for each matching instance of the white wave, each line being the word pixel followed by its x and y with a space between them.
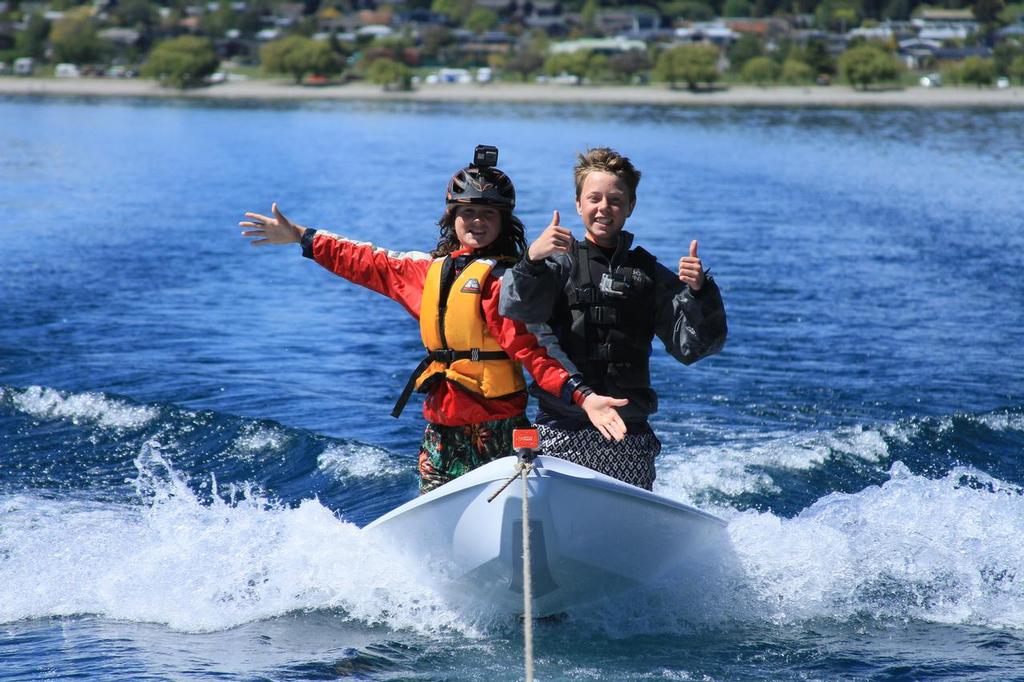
pixel 945 550
pixel 254 439
pixel 939 550
pixel 48 403
pixel 360 461
pixel 1003 421
pixel 736 467
pixel 201 567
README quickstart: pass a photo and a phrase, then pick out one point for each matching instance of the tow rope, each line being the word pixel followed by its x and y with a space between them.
pixel 525 442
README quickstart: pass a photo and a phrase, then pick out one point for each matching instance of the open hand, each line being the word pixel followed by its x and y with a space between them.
pixel 601 411
pixel 691 270
pixel 554 239
pixel 270 230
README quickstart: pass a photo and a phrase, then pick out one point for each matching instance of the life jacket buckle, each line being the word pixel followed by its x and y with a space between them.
pixel 445 355
pixel 603 314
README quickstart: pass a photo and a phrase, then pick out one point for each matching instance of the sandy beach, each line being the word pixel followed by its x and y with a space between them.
pixel 733 96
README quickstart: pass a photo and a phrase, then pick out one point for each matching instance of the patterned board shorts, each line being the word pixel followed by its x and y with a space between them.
pixel 447 452
pixel 631 460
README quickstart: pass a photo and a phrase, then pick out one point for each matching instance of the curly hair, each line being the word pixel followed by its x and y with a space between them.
pixel 607 160
pixel 510 244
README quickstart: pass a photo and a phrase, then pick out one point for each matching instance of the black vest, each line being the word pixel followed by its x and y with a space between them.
pixel 605 322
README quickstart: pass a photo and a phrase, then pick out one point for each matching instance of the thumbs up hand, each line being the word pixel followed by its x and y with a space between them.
pixel 554 239
pixel 691 270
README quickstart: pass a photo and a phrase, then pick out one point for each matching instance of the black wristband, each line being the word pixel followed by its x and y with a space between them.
pixel 306 241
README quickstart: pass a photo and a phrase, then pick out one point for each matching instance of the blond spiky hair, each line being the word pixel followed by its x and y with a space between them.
pixel 606 160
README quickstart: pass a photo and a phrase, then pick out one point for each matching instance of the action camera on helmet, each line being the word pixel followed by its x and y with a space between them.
pixel 485 156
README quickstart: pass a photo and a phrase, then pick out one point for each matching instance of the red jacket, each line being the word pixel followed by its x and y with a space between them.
pixel 400 276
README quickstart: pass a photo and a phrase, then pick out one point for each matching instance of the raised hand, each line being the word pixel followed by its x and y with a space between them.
pixel 554 239
pixel 601 411
pixel 691 270
pixel 267 230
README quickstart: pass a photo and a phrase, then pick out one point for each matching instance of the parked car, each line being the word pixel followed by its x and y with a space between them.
pixel 24 66
pixel 66 71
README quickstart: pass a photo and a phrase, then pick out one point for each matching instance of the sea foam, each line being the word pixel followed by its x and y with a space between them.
pixel 201 567
pixel 48 403
pixel 943 550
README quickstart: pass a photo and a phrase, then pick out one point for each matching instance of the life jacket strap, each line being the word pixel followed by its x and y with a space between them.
pixel 447 356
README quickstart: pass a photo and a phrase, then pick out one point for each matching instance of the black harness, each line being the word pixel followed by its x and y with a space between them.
pixel 609 308
pixel 449 271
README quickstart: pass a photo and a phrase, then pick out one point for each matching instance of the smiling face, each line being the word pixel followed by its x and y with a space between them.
pixel 604 206
pixel 476 227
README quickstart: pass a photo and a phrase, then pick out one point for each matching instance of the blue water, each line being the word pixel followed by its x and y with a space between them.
pixel 192 430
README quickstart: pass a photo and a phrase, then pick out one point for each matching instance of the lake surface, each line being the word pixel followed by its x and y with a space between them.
pixel 193 430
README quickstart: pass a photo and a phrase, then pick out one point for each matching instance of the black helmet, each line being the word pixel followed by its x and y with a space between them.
pixel 481 183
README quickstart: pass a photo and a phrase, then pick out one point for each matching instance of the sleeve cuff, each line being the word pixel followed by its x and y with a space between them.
pixel 530 267
pixel 306 241
pixel 574 391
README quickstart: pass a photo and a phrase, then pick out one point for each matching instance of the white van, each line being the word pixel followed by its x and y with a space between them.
pixel 66 71
pixel 23 66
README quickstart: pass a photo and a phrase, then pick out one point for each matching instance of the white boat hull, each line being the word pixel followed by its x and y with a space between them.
pixel 591 536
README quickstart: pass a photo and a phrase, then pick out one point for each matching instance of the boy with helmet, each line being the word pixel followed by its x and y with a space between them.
pixel 601 301
pixel 472 372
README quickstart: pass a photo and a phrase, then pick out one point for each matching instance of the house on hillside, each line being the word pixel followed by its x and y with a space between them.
pixel 918 54
pixel 707 32
pixel 945 24
pixel 605 46
pixel 546 15
pixel 768 28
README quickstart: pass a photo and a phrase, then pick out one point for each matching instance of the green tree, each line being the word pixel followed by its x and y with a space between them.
pixel 838 15
pixel 1016 69
pixel 573 63
pixel 795 71
pixel 140 14
pixel 690 10
pixel 1003 55
pixel 692 64
pixel 743 50
pixel 736 8
pixel 817 56
pixel 588 15
pixel 1011 14
pixel 987 11
pixel 389 74
pixel 525 62
pixel 897 10
pixel 867 64
pixel 74 38
pixel 217 22
pixel 627 66
pixel 299 57
pixel 760 70
pixel 456 10
pixel 481 19
pixel 435 40
pixel 181 62
pixel 978 71
pixel 31 42
pixel 953 73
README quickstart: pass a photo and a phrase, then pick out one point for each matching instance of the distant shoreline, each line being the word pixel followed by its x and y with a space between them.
pixel 732 96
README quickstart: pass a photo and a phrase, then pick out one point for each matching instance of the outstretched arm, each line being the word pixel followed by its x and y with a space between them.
pixel 398 276
pixel 271 230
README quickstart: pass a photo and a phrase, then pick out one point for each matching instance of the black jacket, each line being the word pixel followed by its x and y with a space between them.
pixel 546 295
